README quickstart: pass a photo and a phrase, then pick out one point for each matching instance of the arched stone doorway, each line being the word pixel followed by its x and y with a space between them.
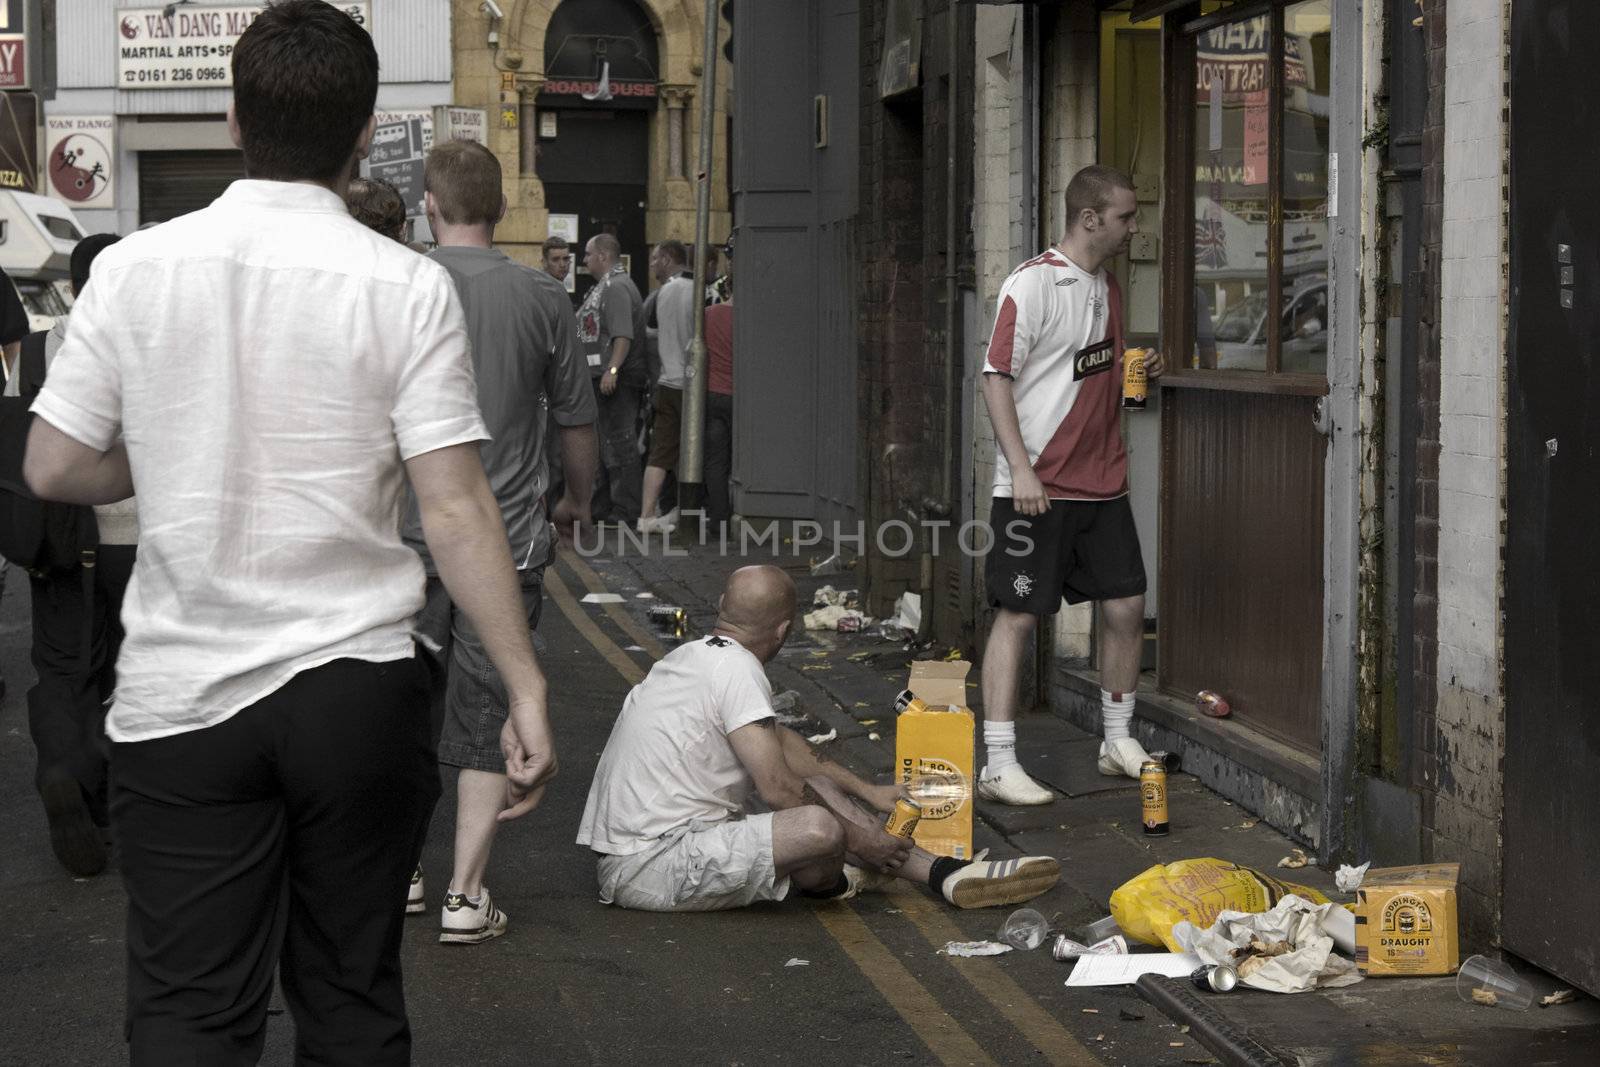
pixel 602 78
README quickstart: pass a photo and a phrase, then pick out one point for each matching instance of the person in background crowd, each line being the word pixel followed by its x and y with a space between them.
pixel 719 408
pixel 557 259
pixel 273 767
pixel 377 205
pixel 1052 382
pixel 13 328
pixel 611 328
pixel 528 368
pixel 674 316
pixel 66 705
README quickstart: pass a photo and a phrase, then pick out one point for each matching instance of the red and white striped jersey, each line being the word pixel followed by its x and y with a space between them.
pixel 1058 336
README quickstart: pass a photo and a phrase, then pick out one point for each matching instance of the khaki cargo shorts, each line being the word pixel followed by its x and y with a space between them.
pixel 703 867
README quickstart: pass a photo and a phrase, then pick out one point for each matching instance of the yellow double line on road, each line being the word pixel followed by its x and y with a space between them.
pixel 942 1034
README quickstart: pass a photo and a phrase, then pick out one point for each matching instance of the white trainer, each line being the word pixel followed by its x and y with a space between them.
pixel 991 883
pixel 461 922
pixel 863 881
pixel 416 903
pixel 1012 786
pixel 1122 757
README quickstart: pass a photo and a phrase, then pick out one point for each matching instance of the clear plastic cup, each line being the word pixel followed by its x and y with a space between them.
pixel 1100 929
pixel 1025 929
pixel 1482 980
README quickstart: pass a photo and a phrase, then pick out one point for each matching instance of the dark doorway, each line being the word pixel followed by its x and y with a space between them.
pixel 1552 586
pixel 597 168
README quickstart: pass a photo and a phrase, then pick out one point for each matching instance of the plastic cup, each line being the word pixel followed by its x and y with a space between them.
pixel 1493 977
pixel 1025 929
pixel 1100 929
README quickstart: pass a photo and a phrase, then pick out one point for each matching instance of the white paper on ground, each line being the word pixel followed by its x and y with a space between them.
pixel 974 948
pixel 1310 963
pixel 602 598
pixel 1348 878
pixel 1125 970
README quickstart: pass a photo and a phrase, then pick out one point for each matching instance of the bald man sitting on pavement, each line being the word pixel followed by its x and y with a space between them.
pixel 666 812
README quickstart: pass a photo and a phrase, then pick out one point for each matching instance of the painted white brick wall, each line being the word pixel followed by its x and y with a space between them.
pixel 1472 456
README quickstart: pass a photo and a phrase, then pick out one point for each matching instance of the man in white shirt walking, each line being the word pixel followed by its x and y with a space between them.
pixel 1052 382
pixel 674 322
pixel 277 371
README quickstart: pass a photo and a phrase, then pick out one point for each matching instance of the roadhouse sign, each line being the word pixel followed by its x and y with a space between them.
pixel 192 48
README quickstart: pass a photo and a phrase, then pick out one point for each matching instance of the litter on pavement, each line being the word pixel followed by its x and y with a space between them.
pixel 602 598
pixel 1125 970
pixel 1284 950
pixel 1348 878
pixel 974 948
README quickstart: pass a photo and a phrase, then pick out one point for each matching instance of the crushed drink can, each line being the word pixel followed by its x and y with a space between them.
pixel 849 624
pixel 1135 383
pixel 1210 703
pixel 1214 978
pixel 667 615
pixel 903 819
pixel 1067 949
pixel 1153 798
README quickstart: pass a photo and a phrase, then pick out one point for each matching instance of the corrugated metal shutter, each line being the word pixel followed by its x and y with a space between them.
pixel 176 183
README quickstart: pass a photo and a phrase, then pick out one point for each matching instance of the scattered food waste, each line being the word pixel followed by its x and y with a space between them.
pixel 1485 997
pixel 1560 996
pixel 1295 859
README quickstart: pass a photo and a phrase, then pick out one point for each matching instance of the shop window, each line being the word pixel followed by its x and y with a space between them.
pixel 1256 277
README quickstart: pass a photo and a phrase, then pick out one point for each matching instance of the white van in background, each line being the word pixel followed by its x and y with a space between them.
pixel 37 235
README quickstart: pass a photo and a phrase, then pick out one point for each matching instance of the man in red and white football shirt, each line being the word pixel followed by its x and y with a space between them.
pixel 1063 528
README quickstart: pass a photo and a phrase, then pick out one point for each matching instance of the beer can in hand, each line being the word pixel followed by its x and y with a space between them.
pixel 1153 797
pixel 903 819
pixel 1135 385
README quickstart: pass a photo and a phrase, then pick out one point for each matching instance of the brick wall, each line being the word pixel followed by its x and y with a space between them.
pixel 1468 726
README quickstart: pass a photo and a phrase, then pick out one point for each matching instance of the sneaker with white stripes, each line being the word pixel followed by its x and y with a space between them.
pixel 991 883
pixel 467 921
pixel 416 903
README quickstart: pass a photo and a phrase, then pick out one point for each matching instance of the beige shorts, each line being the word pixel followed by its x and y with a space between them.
pixel 704 867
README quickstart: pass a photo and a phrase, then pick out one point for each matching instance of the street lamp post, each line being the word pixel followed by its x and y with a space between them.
pixel 691 464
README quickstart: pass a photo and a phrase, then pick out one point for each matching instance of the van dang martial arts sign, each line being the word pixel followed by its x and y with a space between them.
pixel 193 47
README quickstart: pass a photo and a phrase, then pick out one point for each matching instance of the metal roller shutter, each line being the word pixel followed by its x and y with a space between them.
pixel 176 183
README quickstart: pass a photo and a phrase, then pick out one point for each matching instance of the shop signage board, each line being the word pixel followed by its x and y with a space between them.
pixel 396 156
pixel 19 159
pixel 192 48
pixel 13 44
pixel 462 123
pixel 80 150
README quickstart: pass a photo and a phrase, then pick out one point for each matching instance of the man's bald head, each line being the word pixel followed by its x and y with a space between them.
pixel 757 608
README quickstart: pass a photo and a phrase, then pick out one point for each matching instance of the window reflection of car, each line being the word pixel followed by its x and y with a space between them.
pixel 1241 330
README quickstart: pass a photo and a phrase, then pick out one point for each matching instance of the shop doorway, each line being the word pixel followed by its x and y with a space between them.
pixel 176 183
pixel 597 169
pixel 1245 329
pixel 1552 586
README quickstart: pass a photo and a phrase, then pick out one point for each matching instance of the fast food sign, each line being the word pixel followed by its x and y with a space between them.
pixel 192 48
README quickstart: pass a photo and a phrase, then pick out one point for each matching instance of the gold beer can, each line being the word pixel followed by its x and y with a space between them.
pixel 1153 797
pixel 907 701
pixel 903 819
pixel 1135 384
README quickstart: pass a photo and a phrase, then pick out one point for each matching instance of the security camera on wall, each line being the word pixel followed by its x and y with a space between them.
pixel 492 9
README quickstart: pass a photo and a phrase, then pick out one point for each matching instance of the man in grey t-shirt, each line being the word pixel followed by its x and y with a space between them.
pixel 674 322
pixel 611 328
pixel 529 369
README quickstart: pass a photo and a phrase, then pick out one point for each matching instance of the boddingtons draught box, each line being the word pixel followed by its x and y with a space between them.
pixel 938 741
pixel 1406 921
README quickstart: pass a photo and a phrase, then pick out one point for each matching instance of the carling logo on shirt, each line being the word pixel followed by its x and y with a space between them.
pixel 1096 359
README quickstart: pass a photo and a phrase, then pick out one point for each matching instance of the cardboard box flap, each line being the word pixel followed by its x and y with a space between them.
pixel 1441 875
pixel 940 683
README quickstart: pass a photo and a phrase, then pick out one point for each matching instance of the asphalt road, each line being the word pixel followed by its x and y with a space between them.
pixel 575 981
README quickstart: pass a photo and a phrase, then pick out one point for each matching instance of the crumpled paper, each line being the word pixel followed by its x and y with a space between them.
pixel 1348 878
pixel 1309 963
pixel 974 948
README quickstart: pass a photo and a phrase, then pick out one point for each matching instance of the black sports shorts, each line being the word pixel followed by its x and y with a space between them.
pixel 1079 550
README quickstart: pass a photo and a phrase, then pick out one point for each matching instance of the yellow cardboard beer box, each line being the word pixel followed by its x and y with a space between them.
pixel 1406 921
pixel 935 741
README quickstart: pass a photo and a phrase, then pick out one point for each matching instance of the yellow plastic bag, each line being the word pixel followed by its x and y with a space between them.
pixel 1149 905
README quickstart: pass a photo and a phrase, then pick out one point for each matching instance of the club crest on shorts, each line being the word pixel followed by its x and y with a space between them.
pixel 1022 583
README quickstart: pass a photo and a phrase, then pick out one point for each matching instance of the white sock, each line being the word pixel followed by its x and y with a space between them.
pixel 1000 739
pixel 1116 714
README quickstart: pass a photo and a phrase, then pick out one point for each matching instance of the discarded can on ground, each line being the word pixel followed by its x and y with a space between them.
pixel 1135 383
pixel 903 819
pixel 1208 703
pixel 848 624
pixel 1214 978
pixel 667 615
pixel 1153 797
pixel 1067 949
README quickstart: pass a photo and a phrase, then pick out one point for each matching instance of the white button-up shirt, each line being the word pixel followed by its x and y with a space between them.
pixel 270 362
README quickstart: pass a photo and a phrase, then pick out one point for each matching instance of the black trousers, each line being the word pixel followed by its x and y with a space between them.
pixel 718 456
pixel 66 705
pixel 291 827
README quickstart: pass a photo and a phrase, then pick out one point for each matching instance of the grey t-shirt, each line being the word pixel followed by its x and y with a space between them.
pixel 675 325
pixel 529 369
pixel 613 308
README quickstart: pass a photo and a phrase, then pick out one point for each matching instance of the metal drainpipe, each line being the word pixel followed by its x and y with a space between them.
pixel 945 502
pixel 691 463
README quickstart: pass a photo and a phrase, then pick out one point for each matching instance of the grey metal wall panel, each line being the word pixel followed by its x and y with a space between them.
pixel 412 36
